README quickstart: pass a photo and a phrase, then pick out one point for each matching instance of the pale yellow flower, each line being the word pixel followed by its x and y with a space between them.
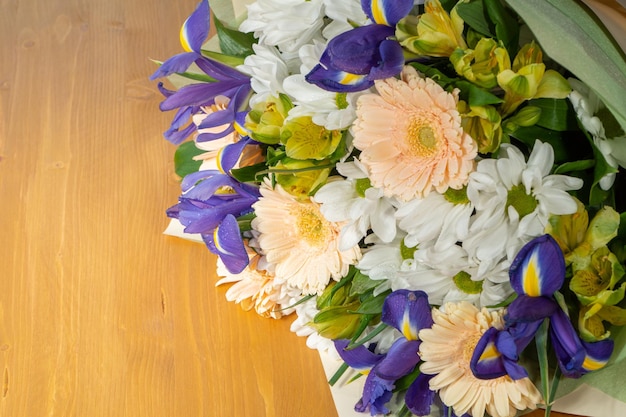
pixel 411 139
pixel 302 245
pixel 446 350
pixel 253 288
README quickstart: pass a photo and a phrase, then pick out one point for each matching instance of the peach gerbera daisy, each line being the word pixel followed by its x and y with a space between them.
pixel 254 288
pixel 447 349
pixel 297 239
pixel 411 139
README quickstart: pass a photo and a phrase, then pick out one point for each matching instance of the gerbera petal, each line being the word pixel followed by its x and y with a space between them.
pixel 407 311
pixel 539 268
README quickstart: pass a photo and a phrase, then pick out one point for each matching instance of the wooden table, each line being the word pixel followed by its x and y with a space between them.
pixel 100 314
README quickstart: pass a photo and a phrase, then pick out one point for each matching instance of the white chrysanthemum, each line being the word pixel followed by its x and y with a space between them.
pixel 329 109
pixel 354 202
pixel 305 312
pixel 254 288
pixel 588 106
pixel 297 239
pixel 342 13
pixel 513 201
pixel 439 219
pixel 287 24
pixel 267 70
pixel 446 350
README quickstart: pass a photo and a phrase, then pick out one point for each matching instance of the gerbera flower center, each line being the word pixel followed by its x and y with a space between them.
pixel 312 226
pixel 469 346
pixel 422 138
pixel 523 203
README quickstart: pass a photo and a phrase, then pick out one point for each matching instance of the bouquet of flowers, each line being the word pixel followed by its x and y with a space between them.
pixel 434 187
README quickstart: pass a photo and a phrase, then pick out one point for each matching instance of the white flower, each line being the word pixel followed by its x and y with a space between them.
pixel 286 24
pixel 588 106
pixel 434 219
pixel 514 199
pixel 342 13
pixel 268 71
pixel 359 205
pixel 297 239
pixel 306 312
pixel 446 350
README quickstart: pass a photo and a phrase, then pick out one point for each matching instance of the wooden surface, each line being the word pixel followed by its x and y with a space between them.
pixel 100 314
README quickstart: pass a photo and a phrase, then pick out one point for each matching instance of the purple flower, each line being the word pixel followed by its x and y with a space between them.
pixel 209 205
pixel 408 312
pixel 537 272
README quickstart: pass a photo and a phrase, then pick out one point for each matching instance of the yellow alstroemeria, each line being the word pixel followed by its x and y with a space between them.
pixel 528 79
pixel 301 178
pixel 265 120
pixel 434 33
pixel 482 123
pixel 482 64
pixel 304 139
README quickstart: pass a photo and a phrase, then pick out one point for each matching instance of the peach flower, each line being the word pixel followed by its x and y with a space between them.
pixel 411 139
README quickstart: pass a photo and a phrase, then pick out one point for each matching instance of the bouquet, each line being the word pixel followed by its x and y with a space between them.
pixel 434 187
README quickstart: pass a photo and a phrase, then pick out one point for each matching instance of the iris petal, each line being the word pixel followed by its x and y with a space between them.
pixel 196 28
pixel 530 309
pixel 400 360
pixel 386 12
pixel 226 242
pixel 419 397
pixel 569 349
pixel 597 354
pixel 359 358
pixel 487 362
pixel 407 311
pixel 538 268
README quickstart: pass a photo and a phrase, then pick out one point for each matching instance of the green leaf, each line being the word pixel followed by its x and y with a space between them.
pixel 370 336
pixel 475 95
pixel 340 371
pixel 556 114
pixel 231 61
pixel 371 304
pixel 362 283
pixel 506 26
pixel 250 173
pixel 474 15
pixel 233 42
pixel 574 37
pixel 575 166
pixel 183 159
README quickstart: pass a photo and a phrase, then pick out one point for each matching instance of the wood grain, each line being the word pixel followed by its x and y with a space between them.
pixel 100 314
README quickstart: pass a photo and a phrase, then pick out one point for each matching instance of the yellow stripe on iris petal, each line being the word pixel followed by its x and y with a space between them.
pixel 349 78
pixel 532 277
pixel 378 12
pixel 184 37
pixel 489 353
pixel 217 242
pixel 218 160
pixel 591 364
pixel 407 330
pixel 241 129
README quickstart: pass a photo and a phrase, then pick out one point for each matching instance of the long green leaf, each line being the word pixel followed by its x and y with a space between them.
pixel 572 35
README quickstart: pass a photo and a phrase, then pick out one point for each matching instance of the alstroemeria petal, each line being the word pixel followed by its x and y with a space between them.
pixel 569 349
pixel 196 28
pixel 226 242
pixel 539 268
pixel 360 358
pixel 407 311
pixel 530 309
pixel 400 360
pixel 386 12
pixel 419 397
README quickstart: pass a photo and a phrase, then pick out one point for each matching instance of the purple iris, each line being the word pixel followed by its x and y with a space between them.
pixel 536 274
pixel 354 59
pixel 408 312
pixel 189 99
pixel 209 205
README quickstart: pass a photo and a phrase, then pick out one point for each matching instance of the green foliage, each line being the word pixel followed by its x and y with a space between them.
pixel 183 159
pixel 233 42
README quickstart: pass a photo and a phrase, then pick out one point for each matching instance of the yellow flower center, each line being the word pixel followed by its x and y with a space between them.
pixel 469 346
pixel 422 139
pixel 312 226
